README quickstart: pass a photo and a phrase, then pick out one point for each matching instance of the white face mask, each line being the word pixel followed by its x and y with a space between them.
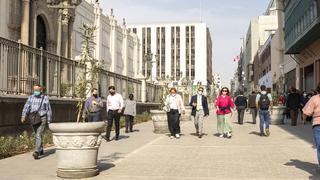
pixel 200 92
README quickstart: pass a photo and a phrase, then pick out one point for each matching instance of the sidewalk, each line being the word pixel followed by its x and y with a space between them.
pixel 287 154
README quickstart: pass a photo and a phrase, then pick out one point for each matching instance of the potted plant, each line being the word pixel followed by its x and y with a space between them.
pixel 77 143
pixel 277 116
pixel 159 117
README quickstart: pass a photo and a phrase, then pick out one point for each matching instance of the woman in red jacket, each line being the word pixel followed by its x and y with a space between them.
pixel 224 105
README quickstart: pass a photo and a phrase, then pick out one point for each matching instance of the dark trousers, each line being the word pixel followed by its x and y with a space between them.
pixel 94 116
pixel 113 115
pixel 129 123
pixel 294 116
pixel 240 110
pixel 254 114
pixel 174 122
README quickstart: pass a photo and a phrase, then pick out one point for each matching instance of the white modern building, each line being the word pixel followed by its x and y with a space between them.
pixel 114 43
pixel 175 50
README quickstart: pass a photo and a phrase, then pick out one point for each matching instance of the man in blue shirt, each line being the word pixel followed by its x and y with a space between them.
pixel 38 102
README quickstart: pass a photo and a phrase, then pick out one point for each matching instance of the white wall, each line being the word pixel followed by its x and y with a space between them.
pixel 4 20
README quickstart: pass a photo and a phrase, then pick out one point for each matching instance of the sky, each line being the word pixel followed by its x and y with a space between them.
pixel 227 20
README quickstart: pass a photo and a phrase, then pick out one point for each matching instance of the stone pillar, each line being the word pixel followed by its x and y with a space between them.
pixel 25 21
pixel 143 90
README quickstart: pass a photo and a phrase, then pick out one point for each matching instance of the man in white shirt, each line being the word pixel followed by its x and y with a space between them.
pixel 114 109
pixel 175 108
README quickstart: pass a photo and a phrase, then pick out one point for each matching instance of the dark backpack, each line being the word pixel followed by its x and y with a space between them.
pixel 264 102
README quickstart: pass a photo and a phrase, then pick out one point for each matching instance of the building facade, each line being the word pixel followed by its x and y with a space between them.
pixel 302 41
pixel 175 50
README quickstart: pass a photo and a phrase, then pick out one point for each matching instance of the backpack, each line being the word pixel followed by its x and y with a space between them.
pixel 264 102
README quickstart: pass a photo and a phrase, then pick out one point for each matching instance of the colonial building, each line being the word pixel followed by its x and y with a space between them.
pixel 302 41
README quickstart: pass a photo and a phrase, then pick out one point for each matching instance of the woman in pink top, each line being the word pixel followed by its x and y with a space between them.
pixel 224 104
pixel 312 108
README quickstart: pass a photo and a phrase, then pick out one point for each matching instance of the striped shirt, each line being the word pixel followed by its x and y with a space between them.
pixel 33 104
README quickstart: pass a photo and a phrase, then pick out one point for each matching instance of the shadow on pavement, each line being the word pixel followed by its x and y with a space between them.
pixel 312 169
pixel 111 158
pixel 105 166
pixel 303 132
pixel 255 133
pixel 48 153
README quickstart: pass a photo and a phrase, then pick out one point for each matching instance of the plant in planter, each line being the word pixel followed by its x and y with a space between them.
pixel 77 143
pixel 277 116
pixel 159 117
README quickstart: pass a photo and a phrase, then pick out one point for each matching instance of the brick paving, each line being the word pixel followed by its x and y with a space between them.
pixel 287 154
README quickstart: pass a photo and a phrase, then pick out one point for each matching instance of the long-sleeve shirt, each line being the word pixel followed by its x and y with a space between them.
pixel 130 107
pixel 224 102
pixel 90 107
pixel 114 102
pixel 33 104
pixel 175 102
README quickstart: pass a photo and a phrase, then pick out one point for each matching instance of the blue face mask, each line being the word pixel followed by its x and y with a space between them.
pixel 37 93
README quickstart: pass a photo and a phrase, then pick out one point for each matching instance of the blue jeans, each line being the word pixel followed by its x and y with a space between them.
pixel 94 117
pixel 264 118
pixel 316 134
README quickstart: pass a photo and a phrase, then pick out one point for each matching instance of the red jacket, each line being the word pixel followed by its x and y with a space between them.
pixel 224 103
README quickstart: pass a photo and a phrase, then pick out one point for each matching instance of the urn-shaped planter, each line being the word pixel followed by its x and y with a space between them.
pixel 277 116
pixel 160 122
pixel 77 146
pixel 186 116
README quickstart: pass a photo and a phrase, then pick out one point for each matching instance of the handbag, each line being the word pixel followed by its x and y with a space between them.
pixel 34 117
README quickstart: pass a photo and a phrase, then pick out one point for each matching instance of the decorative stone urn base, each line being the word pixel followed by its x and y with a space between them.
pixel 277 116
pixel 186 116
pixel 160 121
pixel 77 147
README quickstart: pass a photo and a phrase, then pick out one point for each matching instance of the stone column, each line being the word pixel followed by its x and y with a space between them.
pixel 143 87
pixel 25 21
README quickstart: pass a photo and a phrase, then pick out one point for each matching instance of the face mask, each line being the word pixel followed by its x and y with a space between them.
pixel 95 95
pixel 37 93
pixel 173 94
pixel 305 94
pixel 200 92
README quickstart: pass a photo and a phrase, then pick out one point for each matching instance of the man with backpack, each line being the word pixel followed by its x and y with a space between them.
pixel 264 105
pixel 241 104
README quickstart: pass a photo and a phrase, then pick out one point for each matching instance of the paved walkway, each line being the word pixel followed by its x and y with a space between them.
pixel 287 154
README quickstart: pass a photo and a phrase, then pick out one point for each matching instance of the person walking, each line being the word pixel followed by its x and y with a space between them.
pixel 241 103
pixel 114 109
pixel 175 107
pixel 264 105
pixel 312 108
pixel 200 110
pixel 252 106
pixel 303 101
pixel 293 104
pixel 37 103
pixel 130 107
pixel 224 104
pixel 93 107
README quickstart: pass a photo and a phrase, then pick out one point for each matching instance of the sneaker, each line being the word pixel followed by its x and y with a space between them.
pixel 171 137
pixel 262 134
pixel 35 155
pixel 267 132
pixel 221 135
pixel 229 135
pixel 41 152
pixel 177 136
pixel 200 136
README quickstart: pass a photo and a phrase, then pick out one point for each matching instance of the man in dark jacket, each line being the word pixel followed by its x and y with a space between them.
pixel 252 106
pixel 241 104
pixel 293 104
pixel 199 110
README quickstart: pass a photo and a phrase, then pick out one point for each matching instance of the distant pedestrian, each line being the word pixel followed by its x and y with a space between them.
pixel 200 110
pixel 264 105
pixel 224 104
pixel 175 107
pixel 252 106
pixel 114 109
pixel 304 98
pixel 241 103
pixel 93 107
pixel 293 104
pixel 130 107
pixel 312 108
pixel 37 106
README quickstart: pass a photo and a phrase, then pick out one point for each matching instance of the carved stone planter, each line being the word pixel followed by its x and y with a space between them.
pixel 77 147
pixel 277 116
pixel 160 122
pixel 186 116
